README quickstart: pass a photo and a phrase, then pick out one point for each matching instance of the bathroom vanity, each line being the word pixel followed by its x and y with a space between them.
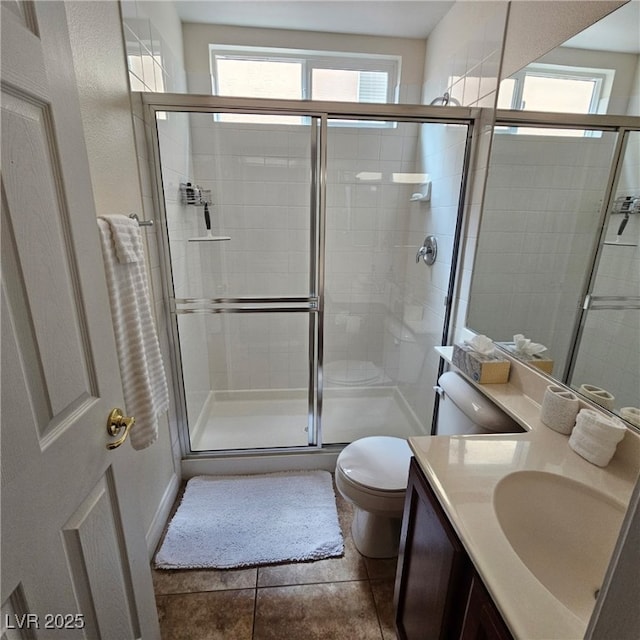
pixel 438 592
pixel 508 535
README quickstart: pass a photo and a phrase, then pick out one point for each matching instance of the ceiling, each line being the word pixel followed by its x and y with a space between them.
pixel 398 18
pixel 620 31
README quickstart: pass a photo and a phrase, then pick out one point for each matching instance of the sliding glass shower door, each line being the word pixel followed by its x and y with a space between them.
pixel 607 347
pixel 244 289
pixel 389 185
pixel 302 312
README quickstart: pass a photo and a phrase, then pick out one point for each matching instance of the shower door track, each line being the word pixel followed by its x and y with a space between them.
pixel 313 304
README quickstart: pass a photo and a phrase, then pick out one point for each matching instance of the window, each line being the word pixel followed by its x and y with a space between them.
pixel 302 75
pixel 548 87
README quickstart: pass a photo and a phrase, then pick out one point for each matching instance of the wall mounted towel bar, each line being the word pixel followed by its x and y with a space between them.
pixel 142 223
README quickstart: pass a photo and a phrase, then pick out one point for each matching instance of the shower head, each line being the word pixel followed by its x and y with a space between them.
pixel 444 100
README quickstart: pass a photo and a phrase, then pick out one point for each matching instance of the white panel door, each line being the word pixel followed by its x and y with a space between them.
pixel 74 559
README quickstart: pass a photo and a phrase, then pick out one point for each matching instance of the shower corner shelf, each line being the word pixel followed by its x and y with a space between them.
pixel 210 239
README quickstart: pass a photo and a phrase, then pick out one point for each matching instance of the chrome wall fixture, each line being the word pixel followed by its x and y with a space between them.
pixel 428 251
pixel 141 223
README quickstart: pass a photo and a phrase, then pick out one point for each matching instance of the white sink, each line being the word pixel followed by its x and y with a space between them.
pixel 562 530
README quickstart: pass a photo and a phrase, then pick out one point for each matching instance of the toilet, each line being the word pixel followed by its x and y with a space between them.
pixel 372 472
pixel 462 409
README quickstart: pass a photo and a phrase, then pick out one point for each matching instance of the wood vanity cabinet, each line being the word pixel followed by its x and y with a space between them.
pixel 437 592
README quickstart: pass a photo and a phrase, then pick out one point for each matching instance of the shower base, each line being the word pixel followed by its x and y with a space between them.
pixel 273 419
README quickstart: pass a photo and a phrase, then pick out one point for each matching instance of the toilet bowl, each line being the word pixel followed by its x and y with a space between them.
pixel 371 473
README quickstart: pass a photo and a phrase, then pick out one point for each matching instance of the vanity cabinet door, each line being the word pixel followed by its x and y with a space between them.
pixel 482 620
pixel 434 575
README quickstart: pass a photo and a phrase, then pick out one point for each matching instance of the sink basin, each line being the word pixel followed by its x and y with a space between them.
pixel 562 530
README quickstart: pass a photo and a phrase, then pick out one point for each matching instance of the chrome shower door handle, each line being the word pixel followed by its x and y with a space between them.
pixel 428 251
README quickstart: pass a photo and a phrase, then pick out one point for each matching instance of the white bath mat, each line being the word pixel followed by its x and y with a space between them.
pixel 239 521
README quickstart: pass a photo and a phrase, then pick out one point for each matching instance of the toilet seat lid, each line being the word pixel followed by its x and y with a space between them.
pixel 379 462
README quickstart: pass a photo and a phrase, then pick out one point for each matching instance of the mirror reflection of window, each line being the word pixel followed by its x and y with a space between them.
pixel 593 72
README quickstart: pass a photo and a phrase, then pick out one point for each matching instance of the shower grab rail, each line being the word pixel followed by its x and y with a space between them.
pixel 248 309
pixel 242 299
pixel 182 306
pixel 601 303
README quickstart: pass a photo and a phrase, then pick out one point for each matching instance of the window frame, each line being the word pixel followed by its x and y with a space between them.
pixel 602 78
pixel 558 72
pixel 309 60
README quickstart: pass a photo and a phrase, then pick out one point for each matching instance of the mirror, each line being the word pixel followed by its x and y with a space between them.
pixel 593 72
pixel 552 263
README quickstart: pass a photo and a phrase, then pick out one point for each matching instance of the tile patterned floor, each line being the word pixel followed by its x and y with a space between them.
pixel 348 598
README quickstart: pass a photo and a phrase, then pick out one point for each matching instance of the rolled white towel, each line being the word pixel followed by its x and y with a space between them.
pixel 595 437
pixel 631 414
pixel 591 449
pixel 559 409
pixel 598 395
pixel 600 427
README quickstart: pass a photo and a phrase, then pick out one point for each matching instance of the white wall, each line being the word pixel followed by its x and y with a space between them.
pixel 463 53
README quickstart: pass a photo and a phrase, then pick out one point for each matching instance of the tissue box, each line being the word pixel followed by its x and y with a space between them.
pixel 544 364
pixel 481 368
pixel 541 362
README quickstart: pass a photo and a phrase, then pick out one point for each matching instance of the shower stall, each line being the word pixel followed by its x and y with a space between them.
pixel 301 314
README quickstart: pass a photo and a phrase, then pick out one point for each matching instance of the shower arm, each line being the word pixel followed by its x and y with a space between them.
pixel 444 100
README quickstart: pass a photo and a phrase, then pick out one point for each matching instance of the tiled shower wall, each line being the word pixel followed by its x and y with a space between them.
pixel 440 154
pixel 367 219
pixel 540 221
pixel 259 177
pixel 463 57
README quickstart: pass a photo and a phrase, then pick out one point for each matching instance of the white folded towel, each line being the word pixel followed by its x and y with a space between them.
pixel 144 383
pixel 595 437
pixel 600 427
pixel 125 234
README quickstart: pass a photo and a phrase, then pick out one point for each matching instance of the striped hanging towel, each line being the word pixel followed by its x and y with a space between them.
pixel 144 383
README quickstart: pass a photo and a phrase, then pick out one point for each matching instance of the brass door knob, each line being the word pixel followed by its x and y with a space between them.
pixel 115 424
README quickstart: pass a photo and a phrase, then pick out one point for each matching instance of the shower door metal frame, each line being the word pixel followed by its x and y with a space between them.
pixel 312 304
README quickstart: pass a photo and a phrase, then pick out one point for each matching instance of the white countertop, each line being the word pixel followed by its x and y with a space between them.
pixel 464 470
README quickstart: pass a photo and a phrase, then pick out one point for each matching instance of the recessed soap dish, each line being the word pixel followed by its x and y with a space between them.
pixel 424 195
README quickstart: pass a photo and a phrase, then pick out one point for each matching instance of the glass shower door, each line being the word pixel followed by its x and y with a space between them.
pixel 390 184
pixel 608 346
pixel 244 289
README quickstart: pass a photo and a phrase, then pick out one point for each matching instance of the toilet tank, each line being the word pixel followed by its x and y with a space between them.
pixel 463 409
pixel 403 354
